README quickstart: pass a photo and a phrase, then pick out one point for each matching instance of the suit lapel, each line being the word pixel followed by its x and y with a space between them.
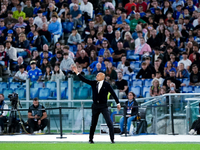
pixel 102 86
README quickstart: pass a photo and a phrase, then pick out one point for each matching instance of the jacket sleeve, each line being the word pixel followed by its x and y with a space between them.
pixel 135 109
pixel 70 40
pixel 110 89
pixel 78 38
pixel 85 80
pixel 59 29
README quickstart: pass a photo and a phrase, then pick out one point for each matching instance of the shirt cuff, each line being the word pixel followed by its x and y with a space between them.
pixel 118 104
pixel 78 73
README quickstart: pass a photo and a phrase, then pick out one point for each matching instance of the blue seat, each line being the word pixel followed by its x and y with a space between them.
pixel 137 82
pixel 126 77
pixel 77 84
pixel 135 64
pixel 145 89
pixel 64 84
pixel 187 89
pixel 147 94
pixel 196 89
pixel 44 93
pixel 133 77
pixel 186 81
pixel 33 93
pixel 3 85
pixel 83 93
pixel 147 82
pixel 51 86
pixel 21 93
pixel 134 57
pixel 75 93
pixel 6 92
pixel 14 85
pixel 38 84
pixel 63 92
pixel 136 90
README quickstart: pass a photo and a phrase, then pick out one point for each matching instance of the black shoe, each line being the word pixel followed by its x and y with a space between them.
pixel 121 133
pixel 112 142
pixel 91 141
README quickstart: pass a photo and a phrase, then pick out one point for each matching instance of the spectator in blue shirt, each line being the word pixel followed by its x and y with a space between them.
pixel 93 65
pixel 30 35
pixel 76 15
pixel 55 28
pixel 37 7
pixel 98 69
pixel 46 48
pixel 35 74
pixel 105 46
pixel 100 40
pixel 182 72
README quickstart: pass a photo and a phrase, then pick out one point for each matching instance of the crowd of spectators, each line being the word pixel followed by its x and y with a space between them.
pixel 100 36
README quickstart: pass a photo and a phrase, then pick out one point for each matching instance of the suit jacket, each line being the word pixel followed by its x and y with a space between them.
pixel 101 97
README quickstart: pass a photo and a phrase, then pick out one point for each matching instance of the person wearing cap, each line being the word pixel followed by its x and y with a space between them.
pixel 176 3
pixel 19 13
pixel 66 63
pixel 21 75
pixel 35 74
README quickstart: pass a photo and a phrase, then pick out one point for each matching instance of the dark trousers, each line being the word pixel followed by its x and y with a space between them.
pixel 34 124
pixel 96 110
pixel 2 121
pixel 196 125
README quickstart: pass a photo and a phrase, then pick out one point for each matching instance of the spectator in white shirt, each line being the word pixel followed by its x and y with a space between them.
pixel 187 63
pixel 21 75
pixel 38 19
pixel 87 10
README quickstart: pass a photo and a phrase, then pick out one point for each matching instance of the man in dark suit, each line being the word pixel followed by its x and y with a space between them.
pixel 100 90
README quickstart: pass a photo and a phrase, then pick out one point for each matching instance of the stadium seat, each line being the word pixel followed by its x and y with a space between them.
pixel 51 86
pixel 38 84
pixel 133 76
pixel 77 84
pixel 33 93
pixel 64 84
pixel 144 90
pixel 21 93
pixel 137 82
pixel 135 64
pixel 63 92
pixel 126 77
pixel 3 85
pixel 187 89
pixel 186 81
pixel 136 90
pixel 133 57
pixel 83 93
pixel 6 92
pixel 44 93
pixel 147 82
pixel 147 94
pixel 75 93
pixel 14 85
pixel 196 89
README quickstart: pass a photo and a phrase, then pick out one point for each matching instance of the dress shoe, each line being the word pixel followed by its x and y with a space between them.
pixel 112 142
pixel 121 133
pixel 91 141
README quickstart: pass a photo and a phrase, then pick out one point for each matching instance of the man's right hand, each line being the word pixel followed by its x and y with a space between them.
pixel 74 69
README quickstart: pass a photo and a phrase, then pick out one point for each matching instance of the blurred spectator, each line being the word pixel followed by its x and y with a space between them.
pixel 10 18
pixel 83 60
pixel 99 22
pixel 100 40
pixel 111 72
pixel 51 10
pixel 35 74
pixel 110 35
pixel 177 3
pixel 129 43
pixel 57 73
pixel 4 11
pixel 182 72
pixel 122 85
pixel 195 50
pixel 90 46
pixel 56 59
pixel 30 34
pixel 155 88
pixel 108 17
pixel 66 50
pixel 159 78
pixel 20 61
pixel 12 53
pixel 119 52
pixel 116 40
pixel 127 69
pixel 35 42
pixel 98 69
pixel 105 46
pixel 92 66
pixel 196 57
pixel 159 67
pixel 46 49
pixel 145 72
pixel 28 10
pixel 47 74
pixel 135 21
pixel 168 69
pixel 121 64
pixel 172 78
pixel 37 8
pixel 185 61
pixel 38 19
pixel 66 63
pixel 173 60
pixel 107 55
pixel 143 48
pixel 87 10
pixel 137 40
pixel 73 40
pixel 22 42
pixel 157 53
pixel 154 40
pixel 21 74
pixel 173 89
pixel 93 56
pixel 76 15
pixel 21 23
pixel 87 30
pixel 3 57
pixel 55 28
pixel 45 34
pixel 19 13
pixel 143 4
pixel 195 76
pixel 44 64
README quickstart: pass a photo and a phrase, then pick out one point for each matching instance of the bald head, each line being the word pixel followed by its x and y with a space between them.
pixel 100 76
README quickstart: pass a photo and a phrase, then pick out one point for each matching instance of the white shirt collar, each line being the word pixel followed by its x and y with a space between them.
pixel 100 85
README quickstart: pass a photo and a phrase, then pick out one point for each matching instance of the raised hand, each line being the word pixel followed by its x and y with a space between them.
pixel 74 68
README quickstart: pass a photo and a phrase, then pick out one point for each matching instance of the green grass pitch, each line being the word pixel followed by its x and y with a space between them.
pixel 99 146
